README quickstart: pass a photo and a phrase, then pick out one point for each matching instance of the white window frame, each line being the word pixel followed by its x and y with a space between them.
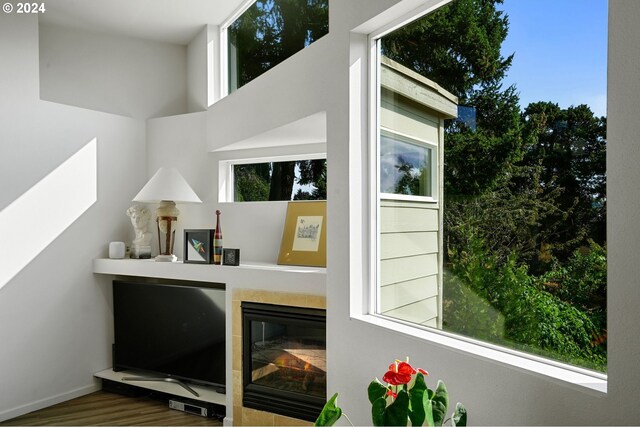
pixel 224 46
pixel 434 168
pixel 369 311
pixel 226 178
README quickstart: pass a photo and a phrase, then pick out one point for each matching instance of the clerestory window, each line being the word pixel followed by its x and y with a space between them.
pixel 274 179
pixel 268 32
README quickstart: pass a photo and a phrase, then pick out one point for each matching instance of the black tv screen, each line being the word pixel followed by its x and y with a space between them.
pixel 174 331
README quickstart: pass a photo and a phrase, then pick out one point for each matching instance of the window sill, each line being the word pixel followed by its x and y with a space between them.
pixel 581 379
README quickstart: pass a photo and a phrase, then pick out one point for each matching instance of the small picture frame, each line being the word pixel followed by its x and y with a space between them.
pixel 230 256
pixel 304 238
pixel 198 244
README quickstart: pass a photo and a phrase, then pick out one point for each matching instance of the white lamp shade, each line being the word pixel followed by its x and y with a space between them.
pixel 167 184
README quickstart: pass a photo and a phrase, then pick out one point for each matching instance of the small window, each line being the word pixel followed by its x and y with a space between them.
pixel 406 166
pixel 269 32
pixel 278 180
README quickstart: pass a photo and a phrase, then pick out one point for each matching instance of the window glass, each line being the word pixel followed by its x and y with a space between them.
pixel 514 251
pixel 290 180
pixel 405 166
pixel 269 32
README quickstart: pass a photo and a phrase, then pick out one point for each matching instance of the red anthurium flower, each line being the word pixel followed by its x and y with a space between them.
pixel 399 373
pixel 403 368
pixel 395 378
pixel 392 394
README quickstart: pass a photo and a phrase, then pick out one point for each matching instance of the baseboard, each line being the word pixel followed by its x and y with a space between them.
pixel 49 401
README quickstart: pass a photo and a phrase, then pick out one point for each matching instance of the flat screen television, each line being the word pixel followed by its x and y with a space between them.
pixel 175 332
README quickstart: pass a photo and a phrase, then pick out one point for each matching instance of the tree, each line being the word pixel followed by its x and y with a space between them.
pixel 251 182
pixel 458 47
pixel 569 147
pixel 312 173
pixel 271 31
pixel 282 177
pixel 275 181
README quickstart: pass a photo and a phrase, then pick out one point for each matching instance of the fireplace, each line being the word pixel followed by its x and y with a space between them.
pixel 284 359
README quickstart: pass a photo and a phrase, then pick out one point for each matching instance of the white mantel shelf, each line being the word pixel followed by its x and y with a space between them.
pixel 311 280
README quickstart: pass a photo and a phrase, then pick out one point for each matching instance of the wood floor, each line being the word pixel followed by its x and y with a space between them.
pixel 103 408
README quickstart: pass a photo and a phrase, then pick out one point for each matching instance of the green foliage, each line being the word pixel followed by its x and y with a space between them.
pixel 251 182
pixel 509 219
pixel 418 410
pixel 413 402
pixel 468 314
pixel 582 282
pixel 459 416
pixel 396 413
pixel 275 181
pixel 313 173
pixel 569 148
pixel 330 412
pixel 271 31
pixel 378 408
pixel 534 319
pixel 459 47
pixel 439 404
pixel 376 390
pixel 472 30
pixel 481 160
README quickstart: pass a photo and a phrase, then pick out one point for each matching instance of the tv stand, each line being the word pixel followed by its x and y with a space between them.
pixel 204 393
pixel 167 380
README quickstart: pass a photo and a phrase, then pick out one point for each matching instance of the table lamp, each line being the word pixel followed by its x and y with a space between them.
pixel 167 187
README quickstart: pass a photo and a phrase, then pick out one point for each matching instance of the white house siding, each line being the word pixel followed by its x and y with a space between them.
pixel 409 273
pixel 410 240
pixel 401 115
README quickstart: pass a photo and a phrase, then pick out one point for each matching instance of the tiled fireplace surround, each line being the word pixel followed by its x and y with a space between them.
pixel 246 416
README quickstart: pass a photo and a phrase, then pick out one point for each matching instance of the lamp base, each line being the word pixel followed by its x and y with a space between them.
pixel 166 258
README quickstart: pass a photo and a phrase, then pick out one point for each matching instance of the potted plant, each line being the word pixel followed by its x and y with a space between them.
pixel 403 399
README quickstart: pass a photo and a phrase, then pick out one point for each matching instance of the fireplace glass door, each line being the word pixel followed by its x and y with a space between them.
pixel 284 359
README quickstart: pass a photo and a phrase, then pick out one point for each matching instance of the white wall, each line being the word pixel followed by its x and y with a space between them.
pixel 121 75
pixel 55 318
pixel 197 77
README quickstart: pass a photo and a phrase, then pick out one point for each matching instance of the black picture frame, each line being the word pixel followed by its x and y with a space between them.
pixel 198 246
pixel 230 256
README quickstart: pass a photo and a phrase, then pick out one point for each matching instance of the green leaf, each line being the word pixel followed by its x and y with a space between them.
pixel 378 411
pixel 440 403
pixel 397 414
pixel 459 418
pixel 330 413
pixel 428 410
pixel 417 412
pixel 376 390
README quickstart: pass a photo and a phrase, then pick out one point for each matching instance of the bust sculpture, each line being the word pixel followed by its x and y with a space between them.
pixel 140 217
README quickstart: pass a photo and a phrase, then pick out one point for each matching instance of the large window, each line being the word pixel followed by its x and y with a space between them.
pixel 490 162
pixel 269 32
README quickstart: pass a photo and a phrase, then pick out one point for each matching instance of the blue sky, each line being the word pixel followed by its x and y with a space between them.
pixel 560 51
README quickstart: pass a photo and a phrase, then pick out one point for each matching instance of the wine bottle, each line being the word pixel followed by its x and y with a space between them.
pixel 217 241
